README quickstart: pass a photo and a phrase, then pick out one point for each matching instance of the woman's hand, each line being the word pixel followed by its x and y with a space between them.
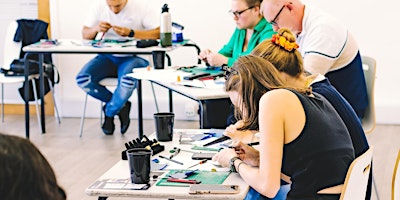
pixel 216 59
pixel 224 156
pixel 203 55
pixel 248 154
pixel 245 136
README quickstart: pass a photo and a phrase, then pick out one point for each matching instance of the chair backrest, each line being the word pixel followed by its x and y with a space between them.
pixel 355 184
pixel 369 67
pixel 11 48
pixel 396 179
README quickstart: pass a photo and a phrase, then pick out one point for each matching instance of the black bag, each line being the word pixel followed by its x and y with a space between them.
pixel 146 43
pixel 31 96
pixel 50 73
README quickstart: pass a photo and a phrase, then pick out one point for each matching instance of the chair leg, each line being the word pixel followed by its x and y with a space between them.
pixel 375 188
pixel 54 101
pixel 101 113
pixel 37 104
pixel 83 116
pixel 2 102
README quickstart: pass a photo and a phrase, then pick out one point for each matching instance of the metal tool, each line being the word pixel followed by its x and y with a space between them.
pixel 199 163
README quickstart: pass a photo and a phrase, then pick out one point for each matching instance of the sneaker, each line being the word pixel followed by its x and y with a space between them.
pixel 124 117
pixel 108 125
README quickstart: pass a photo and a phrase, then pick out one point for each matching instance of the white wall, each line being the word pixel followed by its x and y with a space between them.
pixel 209 25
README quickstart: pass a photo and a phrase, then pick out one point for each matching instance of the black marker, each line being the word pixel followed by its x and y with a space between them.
pixel 218 140
pixel 253 143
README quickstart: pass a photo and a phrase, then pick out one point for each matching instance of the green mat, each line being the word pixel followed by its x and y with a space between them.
pixel 206 177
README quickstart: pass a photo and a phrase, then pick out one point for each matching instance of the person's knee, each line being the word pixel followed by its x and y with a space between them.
pixel 83 81
pixel 128 82
pixel 141 63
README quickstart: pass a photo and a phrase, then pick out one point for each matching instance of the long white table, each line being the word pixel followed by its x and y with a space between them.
pixel 168 78
pixel 68 46
pixel 121 171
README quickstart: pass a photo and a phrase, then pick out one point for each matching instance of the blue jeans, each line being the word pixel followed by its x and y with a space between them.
pixel 281 195
pixel 109 66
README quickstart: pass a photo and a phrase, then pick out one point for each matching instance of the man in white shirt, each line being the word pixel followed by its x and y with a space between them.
pixel 326 45
pixel 116 20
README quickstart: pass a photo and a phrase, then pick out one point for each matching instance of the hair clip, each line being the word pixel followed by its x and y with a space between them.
pixel 284 43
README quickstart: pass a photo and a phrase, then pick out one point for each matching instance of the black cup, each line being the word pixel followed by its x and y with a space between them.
pixel 158 59
pixel 164 126
pixel 139 165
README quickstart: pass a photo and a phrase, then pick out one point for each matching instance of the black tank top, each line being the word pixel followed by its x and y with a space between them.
pixel 320 156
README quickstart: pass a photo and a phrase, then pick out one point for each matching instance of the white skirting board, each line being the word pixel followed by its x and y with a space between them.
pixel 149 108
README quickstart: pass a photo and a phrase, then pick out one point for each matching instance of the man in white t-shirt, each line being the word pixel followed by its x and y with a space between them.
pixel 116 20
pixel 327 47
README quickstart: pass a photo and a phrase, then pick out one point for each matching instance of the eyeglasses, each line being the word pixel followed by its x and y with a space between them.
pixel 273 22
pixel 238 13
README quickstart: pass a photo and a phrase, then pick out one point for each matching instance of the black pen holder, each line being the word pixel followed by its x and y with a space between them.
pixel 154 145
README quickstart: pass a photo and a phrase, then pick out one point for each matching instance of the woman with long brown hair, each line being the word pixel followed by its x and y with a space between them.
pixel 302 137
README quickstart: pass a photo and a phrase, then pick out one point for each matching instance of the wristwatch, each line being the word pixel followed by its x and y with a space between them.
pixel 132 33
pixel 232 163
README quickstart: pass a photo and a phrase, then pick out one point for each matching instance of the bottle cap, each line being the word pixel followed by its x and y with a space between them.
pixel 164 8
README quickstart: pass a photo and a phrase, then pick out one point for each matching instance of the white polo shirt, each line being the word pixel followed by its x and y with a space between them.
pixel 137 15
pixel 325 44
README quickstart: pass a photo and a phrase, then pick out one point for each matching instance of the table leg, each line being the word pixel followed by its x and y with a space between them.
pixel 41 79
pixel 171 106
pixel 140 110
pixel 203 109
pixel 26 92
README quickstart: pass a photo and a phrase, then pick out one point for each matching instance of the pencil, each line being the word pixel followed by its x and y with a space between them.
pixel 250 144
pixel 172 160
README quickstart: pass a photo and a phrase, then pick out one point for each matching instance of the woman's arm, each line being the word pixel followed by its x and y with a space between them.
pixel 281 118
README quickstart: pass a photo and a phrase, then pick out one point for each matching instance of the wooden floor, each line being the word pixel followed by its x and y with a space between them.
pixel 78 162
